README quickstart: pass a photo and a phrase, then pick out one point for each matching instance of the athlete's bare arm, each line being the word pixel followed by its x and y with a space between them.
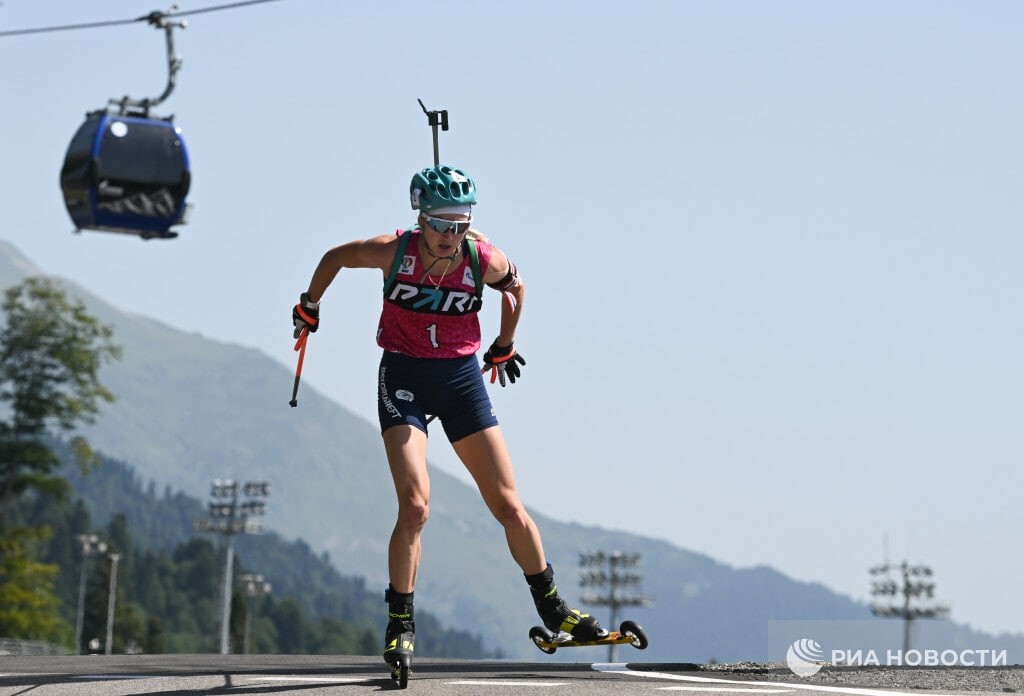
pixel 376 252
pixel 498 272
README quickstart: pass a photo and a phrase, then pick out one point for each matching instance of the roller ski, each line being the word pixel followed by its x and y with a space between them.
pixel 400 636
pixel 565 627
pixel 549 641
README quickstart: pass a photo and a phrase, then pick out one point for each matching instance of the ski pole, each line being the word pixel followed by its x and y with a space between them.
pixel 300 345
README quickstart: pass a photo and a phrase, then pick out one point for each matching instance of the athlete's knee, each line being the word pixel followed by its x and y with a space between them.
pixel 511 514
pixel 413 514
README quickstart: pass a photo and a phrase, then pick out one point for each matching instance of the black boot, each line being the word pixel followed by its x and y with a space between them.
pixel 401 631
pixel 555 614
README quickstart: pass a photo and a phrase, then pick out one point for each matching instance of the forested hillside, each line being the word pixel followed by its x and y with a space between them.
pixel 169 578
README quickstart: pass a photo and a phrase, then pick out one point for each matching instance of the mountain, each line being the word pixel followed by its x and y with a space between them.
pixel 191 409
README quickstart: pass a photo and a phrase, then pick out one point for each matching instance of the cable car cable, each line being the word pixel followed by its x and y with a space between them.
pixel 119 22
pixel 66 27
pixel 217 8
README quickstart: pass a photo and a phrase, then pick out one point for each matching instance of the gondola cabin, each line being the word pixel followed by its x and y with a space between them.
pixel 127 174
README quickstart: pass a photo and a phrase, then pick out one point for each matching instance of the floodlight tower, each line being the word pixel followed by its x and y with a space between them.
pixel 911 588
pixel 90 544
pixel 254 585
pixel 616 582
pixel 228 517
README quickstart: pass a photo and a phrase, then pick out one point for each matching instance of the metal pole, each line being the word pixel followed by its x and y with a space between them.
pixel 225 619
pixel 81 605
pixel 112 598
pixel 246 643
pixel 906 608
pixel 254 585
pixel 435 119
pixel 612 558
pixel 90 543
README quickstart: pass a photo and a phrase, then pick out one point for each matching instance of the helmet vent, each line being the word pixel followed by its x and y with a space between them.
pixel 441 186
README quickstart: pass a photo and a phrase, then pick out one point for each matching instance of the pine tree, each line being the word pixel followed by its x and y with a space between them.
pixel 51 350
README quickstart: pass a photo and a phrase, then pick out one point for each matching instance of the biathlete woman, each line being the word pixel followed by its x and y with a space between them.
pixel 430 332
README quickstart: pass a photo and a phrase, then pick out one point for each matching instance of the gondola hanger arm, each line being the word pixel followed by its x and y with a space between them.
pixel 160 20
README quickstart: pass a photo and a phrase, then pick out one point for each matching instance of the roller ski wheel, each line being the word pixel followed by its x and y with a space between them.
pixel 636 635
pixel 629 632
pixel 543 639
pixel 401 668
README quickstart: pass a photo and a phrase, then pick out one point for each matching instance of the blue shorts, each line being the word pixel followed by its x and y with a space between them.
pixel 411 389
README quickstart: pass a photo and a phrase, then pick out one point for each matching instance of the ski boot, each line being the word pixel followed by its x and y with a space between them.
pixel 556 615
pixel 400 635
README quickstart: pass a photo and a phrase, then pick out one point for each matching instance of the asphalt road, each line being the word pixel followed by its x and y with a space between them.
pixel 310 675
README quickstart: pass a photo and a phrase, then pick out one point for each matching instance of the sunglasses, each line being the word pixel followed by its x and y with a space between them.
pixel 440 225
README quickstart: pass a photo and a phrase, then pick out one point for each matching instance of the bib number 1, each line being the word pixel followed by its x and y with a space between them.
pixel 432 331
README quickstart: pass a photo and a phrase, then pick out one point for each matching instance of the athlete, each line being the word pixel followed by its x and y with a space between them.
pixel 430 333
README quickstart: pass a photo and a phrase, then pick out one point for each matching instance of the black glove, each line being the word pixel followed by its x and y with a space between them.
pixel 306 315
pixel 502 361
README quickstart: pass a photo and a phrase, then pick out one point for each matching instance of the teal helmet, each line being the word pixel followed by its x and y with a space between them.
pixel 440 187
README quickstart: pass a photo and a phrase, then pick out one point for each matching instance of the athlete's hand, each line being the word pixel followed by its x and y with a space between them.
pixel 306 315
pixel 502 361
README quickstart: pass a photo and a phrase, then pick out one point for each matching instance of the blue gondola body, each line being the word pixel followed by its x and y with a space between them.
pixel 125 173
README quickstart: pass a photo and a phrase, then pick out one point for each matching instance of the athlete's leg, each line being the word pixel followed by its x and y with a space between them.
pixel 487 459
pixel 406 448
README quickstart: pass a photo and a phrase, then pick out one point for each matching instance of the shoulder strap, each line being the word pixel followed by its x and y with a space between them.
pixel 474 262
pixel 403 242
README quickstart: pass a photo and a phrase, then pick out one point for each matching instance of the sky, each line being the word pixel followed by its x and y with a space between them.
pixel 771 250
